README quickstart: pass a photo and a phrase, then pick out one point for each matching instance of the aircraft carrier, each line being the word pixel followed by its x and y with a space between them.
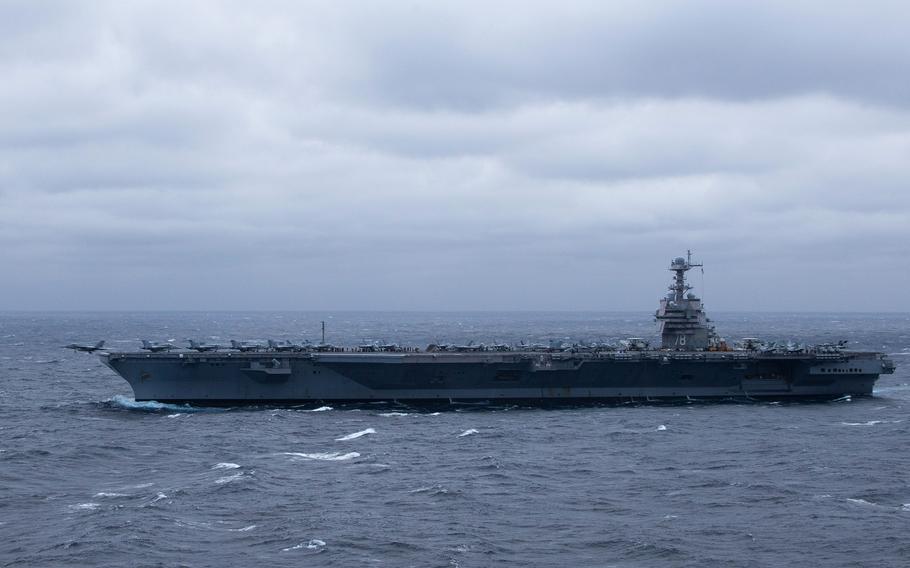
pixel 691 362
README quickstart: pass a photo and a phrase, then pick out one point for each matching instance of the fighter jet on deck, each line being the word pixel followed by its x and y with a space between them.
pixel 84 348
pixel 156 347
pixel 202 347
pixel 245 347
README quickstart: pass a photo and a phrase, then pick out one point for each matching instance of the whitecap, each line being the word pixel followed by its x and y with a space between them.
pixel 468 432
pixel 661 428
pixel 434 414
pixel 106 494
pixel 869 423
pixel 320 409
pixel 432 490
pixel 225 465
pixel 174 415
pixel 229 478
pixel 148 406
pixel 312 544
pixel 860 501
pixel 394 414
pixel 245 529
pixel 159 497
pixel 330 456
pixel 84 507
pixel 355 435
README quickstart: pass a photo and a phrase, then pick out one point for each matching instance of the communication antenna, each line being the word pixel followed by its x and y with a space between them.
pixel 323 332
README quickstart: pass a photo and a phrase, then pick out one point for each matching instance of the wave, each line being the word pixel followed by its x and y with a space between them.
pixel 871 422
pixel 860 502
pixel 394 414
pixel 355 435
pixel 430 490
pixel 661 428
pixel 84 507
pixel 150 405
pixel 468 432
pixel 102 494
pixel 312 544
pixel 229 478
pixel 225 465
pixel 328 456
pixel 320 409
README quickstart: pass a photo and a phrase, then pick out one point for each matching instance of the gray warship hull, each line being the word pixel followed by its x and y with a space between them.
pixel 693 362
pixel 229 378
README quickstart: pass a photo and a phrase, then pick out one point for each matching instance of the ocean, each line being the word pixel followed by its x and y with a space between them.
pixel 89 477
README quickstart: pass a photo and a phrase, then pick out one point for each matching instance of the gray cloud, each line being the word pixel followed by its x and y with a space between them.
pixel 403 155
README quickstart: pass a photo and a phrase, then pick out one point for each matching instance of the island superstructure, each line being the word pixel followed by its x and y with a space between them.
pixel 691 362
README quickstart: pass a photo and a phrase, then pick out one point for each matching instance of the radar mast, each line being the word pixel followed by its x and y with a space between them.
pixel 684 325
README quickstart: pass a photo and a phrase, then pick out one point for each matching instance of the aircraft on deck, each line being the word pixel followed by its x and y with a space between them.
pixel 156 347
pixel 202 347
pixel 288 346
pixel 84 348
pixel 245 347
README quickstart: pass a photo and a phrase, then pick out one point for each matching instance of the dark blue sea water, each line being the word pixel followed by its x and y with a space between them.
pixel 88 477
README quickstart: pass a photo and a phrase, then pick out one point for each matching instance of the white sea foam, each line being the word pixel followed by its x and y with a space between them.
pixel 312 544
pixel 661 428
pixel 871 422
pixel 225 465
pixel 320 409
pixel 148 406
pixel 329 456
pixel 245 529
pixel 143 485
pixel 860 501
pixel 85 507
pixel 468 432
pixel 174 415
pixel 229 478
pixel 102 494
pixel 355 435
pixel 394 414
pixel 159 497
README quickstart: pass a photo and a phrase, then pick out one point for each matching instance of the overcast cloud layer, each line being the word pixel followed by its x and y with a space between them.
pixel 327 155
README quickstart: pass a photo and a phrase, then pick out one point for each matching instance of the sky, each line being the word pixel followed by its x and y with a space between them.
pixel 453 156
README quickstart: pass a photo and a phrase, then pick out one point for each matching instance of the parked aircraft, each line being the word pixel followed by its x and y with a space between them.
pixel 156 347
pixel 84 348
pixel 202 347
